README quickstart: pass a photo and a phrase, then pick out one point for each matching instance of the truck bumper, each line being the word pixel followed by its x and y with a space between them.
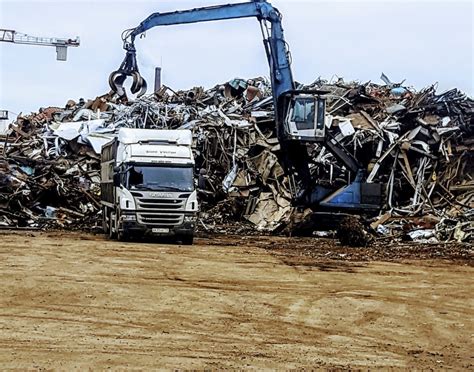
pixel 136 229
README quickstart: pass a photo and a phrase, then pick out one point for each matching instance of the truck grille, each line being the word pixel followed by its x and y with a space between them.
pixel 160 219
pixel 173 204
pixel 160 212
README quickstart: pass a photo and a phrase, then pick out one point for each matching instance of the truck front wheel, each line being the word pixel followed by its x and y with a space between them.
pixel 122 235
pixel 186 239
pixel 112 222
pixel 105 221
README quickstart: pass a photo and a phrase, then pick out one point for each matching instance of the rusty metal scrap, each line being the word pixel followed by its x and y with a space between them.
pixel 419 145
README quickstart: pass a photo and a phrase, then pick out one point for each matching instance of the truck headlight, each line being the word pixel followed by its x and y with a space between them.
pixel 189 219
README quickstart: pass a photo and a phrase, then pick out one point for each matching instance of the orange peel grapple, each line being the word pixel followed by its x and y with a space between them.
pixel 128 68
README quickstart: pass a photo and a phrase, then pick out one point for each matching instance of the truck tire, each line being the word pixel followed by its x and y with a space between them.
pixel 123 236
pixel 105 224
pixel 187 239
pixel 112 234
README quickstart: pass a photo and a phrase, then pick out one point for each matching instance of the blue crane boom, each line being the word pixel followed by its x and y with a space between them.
pixel 299 114
pixel 275 45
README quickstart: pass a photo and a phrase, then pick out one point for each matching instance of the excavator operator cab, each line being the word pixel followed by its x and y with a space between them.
pixel 305 120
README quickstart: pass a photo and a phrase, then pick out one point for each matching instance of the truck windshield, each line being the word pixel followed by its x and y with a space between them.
pixel 160 178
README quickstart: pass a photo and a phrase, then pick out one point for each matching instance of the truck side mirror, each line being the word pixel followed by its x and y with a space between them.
pixel 116 179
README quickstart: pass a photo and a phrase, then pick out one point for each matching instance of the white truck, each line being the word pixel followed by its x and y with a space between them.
pixel 147 184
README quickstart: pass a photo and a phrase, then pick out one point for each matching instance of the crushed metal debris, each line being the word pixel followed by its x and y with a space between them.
pixel 418 144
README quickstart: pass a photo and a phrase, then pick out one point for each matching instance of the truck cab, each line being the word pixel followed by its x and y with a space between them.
pixel 148 184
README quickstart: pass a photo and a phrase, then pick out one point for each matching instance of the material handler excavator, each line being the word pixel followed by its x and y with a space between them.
pixel 299 114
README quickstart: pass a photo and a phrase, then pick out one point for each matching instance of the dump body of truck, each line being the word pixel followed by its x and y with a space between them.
pixel 147 184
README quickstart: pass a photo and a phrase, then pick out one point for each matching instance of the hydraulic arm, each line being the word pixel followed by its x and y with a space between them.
pixel 274 42
pixel 276 52
pixel 299 114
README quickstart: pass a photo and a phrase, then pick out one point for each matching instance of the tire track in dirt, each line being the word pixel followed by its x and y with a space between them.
pixel 72 301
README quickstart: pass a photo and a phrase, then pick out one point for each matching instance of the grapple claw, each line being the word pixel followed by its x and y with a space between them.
pixel 143 90
pixel 116 80
pixel 128 68
pixel 137 82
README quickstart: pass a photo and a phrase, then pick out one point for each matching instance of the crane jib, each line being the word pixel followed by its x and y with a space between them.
pixel 277 53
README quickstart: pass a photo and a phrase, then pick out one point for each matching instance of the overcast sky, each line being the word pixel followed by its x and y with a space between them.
pixel 420 41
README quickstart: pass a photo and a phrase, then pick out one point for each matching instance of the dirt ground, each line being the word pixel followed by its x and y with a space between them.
pixel 71 300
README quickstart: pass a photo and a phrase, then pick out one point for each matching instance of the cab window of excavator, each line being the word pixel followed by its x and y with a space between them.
pixel 303 113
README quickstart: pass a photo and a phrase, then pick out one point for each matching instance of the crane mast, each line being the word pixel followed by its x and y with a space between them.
pixel 61 44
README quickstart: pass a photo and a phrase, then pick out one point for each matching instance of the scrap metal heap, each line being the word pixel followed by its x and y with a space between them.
pixel 419 145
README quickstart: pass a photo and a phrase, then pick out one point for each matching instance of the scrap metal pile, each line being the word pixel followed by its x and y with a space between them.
pixel 419 145
pixel 46 180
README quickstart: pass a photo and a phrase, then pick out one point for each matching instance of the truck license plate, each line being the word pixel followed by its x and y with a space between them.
pixel 160 230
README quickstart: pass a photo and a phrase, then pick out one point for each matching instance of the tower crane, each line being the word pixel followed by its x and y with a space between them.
pixel 61 44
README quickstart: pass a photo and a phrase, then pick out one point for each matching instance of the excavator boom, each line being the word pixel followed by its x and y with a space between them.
pixel 299 115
